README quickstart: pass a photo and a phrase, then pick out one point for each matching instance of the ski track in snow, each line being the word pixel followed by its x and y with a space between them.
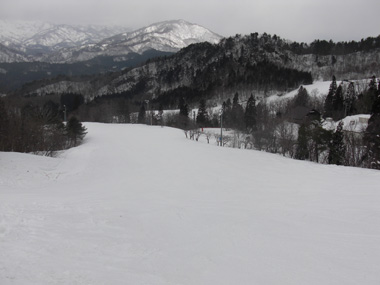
pixel 142 205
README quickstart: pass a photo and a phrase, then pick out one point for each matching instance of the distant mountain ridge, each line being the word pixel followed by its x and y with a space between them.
pixel 33 39
pixel 68 44
pixel 168 36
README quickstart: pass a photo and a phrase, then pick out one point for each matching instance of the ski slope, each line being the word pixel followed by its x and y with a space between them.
pixel 138 204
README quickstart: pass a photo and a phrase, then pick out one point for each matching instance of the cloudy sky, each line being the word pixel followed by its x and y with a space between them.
pixel 298 20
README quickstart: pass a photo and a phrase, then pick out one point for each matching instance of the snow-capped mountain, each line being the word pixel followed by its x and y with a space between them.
pixel 69 36
pixel 164 36
pixel 16 32
pixel 67 44
pixel 168 36
pixel 8 54
pixel 34 38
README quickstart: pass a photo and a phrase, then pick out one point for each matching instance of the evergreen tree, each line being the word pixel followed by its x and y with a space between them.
pixel 338 104
pixel 329 99
pixel 302 152
pixel 227 107
pixel 183 118
pixel 237 113
pixel 75 130
pixel 349 100
pixel 142 114
pixel 183 108
pixel 302 97
pixel 367 99
pixel 202 117
pixel 372 136
pixel 333 85
pixel 250 114
pixel 373 92
pixel 372 84
pixel 337 148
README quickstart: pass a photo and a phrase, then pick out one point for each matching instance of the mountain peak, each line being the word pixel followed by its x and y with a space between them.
pixel 165 36
pixel 183 28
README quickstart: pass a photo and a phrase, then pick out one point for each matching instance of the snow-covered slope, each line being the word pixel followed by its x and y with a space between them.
pixel 142 205
pixel 67 36
pixel 165 36
pixel 16 32
pixel 320 89
pixel 168 36
pixel 11 55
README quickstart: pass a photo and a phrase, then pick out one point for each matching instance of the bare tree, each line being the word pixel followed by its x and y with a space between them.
pixel 355 149
pixel 286 138
pixel 208 135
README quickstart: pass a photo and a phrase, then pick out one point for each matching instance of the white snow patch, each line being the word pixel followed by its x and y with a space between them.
pixel 320 88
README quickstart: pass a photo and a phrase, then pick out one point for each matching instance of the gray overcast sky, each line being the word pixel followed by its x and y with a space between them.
pixel 298 20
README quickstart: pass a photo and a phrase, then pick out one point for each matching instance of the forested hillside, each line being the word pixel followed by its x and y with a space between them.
pixel 262 64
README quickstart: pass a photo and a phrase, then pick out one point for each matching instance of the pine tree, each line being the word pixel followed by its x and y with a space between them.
pixel 329 99
pixel 372 83
pixel 202 117
pixel 142 114
pixel 372 136
pixel 183 108
pixel 226 107
pixel 75 130
pixel 250 114
pixel 302 97
pixel 338 104
pixel 349 100
pixel 183 118
pixel 337 148
pixel 237 113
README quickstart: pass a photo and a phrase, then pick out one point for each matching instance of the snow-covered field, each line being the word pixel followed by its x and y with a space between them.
pixel 142 205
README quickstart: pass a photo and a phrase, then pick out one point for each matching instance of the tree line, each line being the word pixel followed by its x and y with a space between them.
pixel 323 47
pixel 297 128
pixel 37 128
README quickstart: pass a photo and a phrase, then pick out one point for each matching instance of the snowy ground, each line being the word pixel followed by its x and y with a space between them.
pixel 142 205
